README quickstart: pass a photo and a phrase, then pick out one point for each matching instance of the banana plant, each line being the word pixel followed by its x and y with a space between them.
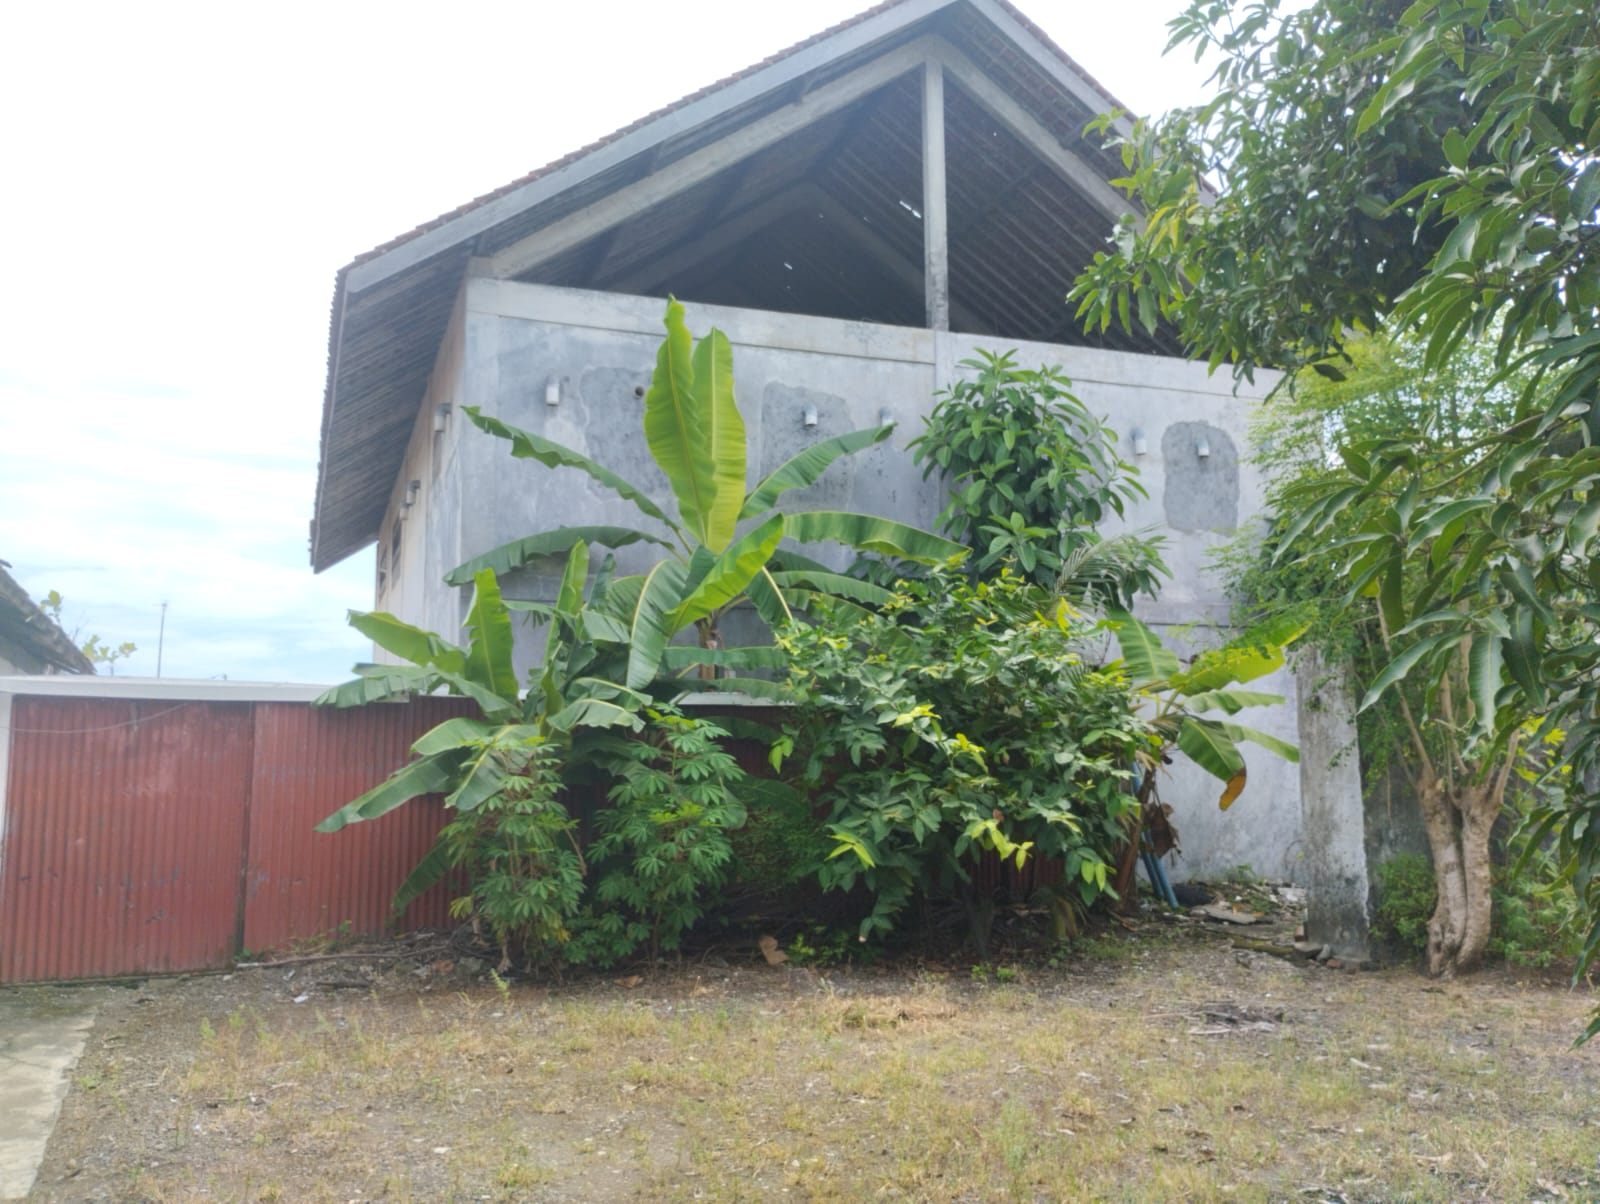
pixel 1181 700
pixel 469 759
pixel 696 435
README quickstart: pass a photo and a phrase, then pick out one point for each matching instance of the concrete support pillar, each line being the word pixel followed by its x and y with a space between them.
pixel 935 223
pixel 1333 813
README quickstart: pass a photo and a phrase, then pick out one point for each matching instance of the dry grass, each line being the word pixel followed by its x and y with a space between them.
pixel 755 1084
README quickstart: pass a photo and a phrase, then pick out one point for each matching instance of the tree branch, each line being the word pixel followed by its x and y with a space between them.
pixel 1417 742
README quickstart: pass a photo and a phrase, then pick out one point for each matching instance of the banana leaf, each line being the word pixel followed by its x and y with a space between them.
pixel 431 870
pixel 460 732
pixel 407 642
pixel 712 363
pixel 518 552
pixel 488 662
pixel 870 533
pixel 525 445
pixel 430 775
pixel 729 574
pixel 766 596
pixel 1208 745
pixel 1143 654
pixel 836 585
pixel 377 683
pixel 595 712
pixel 649 632
pixel 801 470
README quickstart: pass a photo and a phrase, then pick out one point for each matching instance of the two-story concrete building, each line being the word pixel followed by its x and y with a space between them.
pixel 859 214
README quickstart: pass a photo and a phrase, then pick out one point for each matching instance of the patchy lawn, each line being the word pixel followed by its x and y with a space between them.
pixel 1166 1065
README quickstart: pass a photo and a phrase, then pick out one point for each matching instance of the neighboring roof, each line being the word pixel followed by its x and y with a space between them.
pixel 31 639
pixel 161 689
pixel 391 305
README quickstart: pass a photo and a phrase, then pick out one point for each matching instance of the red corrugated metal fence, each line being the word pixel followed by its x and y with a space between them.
pixel 157 835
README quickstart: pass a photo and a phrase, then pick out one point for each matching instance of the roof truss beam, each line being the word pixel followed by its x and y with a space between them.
pixel 682 174
pixel 861 233
pixel 739 226
pixel 1000 105
pixel 677 120
pixel 935 217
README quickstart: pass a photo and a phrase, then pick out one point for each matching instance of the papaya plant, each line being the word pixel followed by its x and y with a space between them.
pixel 696 435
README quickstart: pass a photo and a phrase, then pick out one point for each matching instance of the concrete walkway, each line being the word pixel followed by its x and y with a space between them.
pixel 40 1043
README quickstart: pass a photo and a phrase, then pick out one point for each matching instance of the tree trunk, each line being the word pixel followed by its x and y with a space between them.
pixel 1458 824
pixel 1479 805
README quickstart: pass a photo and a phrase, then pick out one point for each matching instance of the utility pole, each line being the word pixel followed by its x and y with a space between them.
pixel 161 638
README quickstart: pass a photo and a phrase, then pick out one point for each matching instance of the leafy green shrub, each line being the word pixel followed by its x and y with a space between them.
pixel 519 853
pixel 1407 895
pixel 781 843
pixel 962 718
pixel 663 841
pixel 1537 920
pixel 1031 472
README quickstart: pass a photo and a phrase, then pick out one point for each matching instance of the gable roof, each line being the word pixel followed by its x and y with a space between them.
pixel 31 639
pixel 391 305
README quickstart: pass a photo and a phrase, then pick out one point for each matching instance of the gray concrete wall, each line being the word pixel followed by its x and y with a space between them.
pixel 1338 901
pixel 510 341
pixel 410 582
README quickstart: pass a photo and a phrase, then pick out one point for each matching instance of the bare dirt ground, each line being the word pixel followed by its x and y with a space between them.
pixel 1162 1064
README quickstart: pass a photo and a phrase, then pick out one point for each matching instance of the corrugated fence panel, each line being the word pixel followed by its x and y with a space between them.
pixel 309 762
pixel 125 827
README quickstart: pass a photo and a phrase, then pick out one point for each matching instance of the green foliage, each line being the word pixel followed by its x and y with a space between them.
pixel 696 436
pixel 781 843
pixel 663 845
pixel 1031 472
pixel 98 651
pixel 1538 921
pixel 468 760
pixel 1180 699
pixel 1433 170
pixel 673 793
pixel 663 839
pixel 519 856
pixel 1407 895
pixel 820 945
pixel 962 718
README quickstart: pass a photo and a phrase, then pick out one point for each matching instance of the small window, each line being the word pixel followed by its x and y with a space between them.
pixel 394 547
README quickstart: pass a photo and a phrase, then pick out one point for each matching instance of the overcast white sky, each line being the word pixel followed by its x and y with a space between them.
pixel 182 181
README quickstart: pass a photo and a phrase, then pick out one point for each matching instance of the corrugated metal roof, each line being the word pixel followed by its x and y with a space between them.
pixel 30 638
pixel 391 305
